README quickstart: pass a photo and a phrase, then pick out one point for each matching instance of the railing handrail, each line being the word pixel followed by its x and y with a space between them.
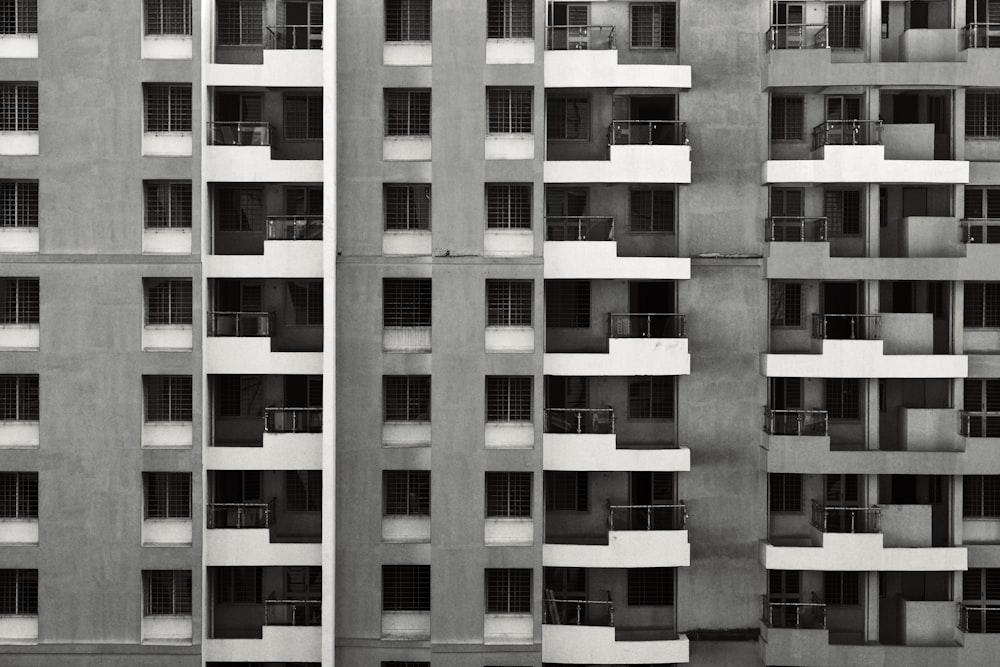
pixel 583 224
pixel 676 138
pixel 799 609
pixel 647 122
pixel 289 601
pixel 592 25
pixel 239 312
pixel 653 506
pixel 863 132
pixel 237 504
pixel 609 218
pixel 244 133
pixel 248 123
pixel 864 326
pixel 307 218
pixel 552 425
pixel 848 121
pixel 584 32
pixel 290 409
pixel 819 40
pixel 820 516
pixel 608 410
pixel 819 222
pixel 775 425
pixel 645 314
pixel 647 325
pixel 796 410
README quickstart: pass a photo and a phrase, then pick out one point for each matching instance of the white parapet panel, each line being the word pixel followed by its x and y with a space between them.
pixel 508 243
pixel 167 434
pixel 406 148
pixel 407 54
pixel 414 625
pixel 510 435
pixel 863 164
pixel 291 68
pixel 625 548
pixel 510 339
pixel 600 69
pixel 404 528
pixel 862 552
pixel 166 47
pixel 598 452
pixel 406 339
pixel 278 643
pixel 166 629
pixel 19 143
pixel 510 146
pixel 19 629
pixel 588 644
pixel 508 629
pixel 18 434
pixel 167 532
pixel 19 239
pixel 406 434
pixel 510 52
pixel 166 241
pixel 167 337
pixel 19 336
pixel 19 46
pixel 167 144
pixel 281 451
pixel 19 531
pixel 252 547
pixel 596 260
pixel 412 242
pixel 225 355
pixel 626 356
pixel 281 259
pixel 253 164
pixel 509 531
pixel 863 359
pixel 626 164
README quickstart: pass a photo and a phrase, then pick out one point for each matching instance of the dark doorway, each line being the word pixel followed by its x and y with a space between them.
pixel 841 299
pixel 905 108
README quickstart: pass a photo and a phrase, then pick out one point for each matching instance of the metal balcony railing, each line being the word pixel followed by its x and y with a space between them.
pixel 979 424
pixel 579 420
pixel 238 323
pixel 981 230
pixel 797 229
pixel 846 326
pixel 648 132
pixel 225 133
pixel 982 35
pixel 293 37
pixel 797 36
pixel 579 228
pixel 830 519
pixel 580 38
pixel 294 228
pixel 978 618
pixel 648 517
pixel 578 612
pixel 241 515
pixel 796 422
pixel 293 420
pixel 810 615
pixel 292 612
pixel 847 133
pixel 646 325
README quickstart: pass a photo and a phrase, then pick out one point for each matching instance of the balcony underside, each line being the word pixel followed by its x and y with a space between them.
pixel 863 359
pixel 862 164
pixel 862 552
pixel 596 645
pixel 600 68
pixel 598 452
pixel 799 261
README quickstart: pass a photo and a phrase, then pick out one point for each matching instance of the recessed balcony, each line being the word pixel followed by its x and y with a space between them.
pixel 637 344
pixel 291 246
pixel 586 247
pixel 639 151
pixel 239 151
pixel 248 410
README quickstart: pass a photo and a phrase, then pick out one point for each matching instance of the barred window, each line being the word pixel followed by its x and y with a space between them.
pixel 785 491
pixel 239 395
pixel 843 211
pixel 982 408
pixel 18 203
pixel 406 588
pixel 654 26
pixel 567 491
pixel 981 496
pixel 567 304
pixel 240 209
pixel 407 20
pixel 19 592
pixel 18 17
pixel 982 203
pixel 508 398
pixel 168 495
pixel 508 590
pixel 168 17
pixel 305 301
pixel 166 592
pixel 508 494
pixel 651 210
pixel 19 107
pixel 843 398
pixel 787 112
pixel 303 117
pixel 304 490
pixel 982 114
pixel 19 303
pixel 786 304
pixel 844 21
pixel 168 107
pixel 407 398
pixel 239 585
pixel 651 397
pixel 981 584
pixel 168 301
pixel 406 492
pixel 508 303
pixel 405 663
pixel 406 302
pixel 19 398
pixel 982 305
pixel 407 112
pixel 567 118
pixel 240 22
pixel 168 398
pixel 509 19
pixel 508 110
pixel 19 495
pixel 168 204
pixel 841 588
pixel 407 206
pixel 650 586
pixel 508 206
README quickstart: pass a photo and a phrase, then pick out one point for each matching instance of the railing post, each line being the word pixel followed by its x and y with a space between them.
pixel 802 230
pixel 612 421
pixel 649 326
pixel 649 518
pixel 579 422
pixel 294 421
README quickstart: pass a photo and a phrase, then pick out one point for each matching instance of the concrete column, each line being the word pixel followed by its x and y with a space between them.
pixel 872 608
pixel 872 415
pixel 873 231
pixel 957 318
pixel 958 113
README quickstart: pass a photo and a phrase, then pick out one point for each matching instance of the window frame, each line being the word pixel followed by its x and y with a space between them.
pixel 23 18
pixel 406 587
pixel 981 497
pixel 509 110
pixel 561 121
pixel 846 39
pixel 166 495
pixel 783 303
pixel 509 398
pixel 18 495
pixel 785 126
pixel 407 302
pixel 509 206
pixel 167 108
pixel 18 592
pixel 176 391
pixel 568 304
pixel 665 385
pixel 167 205
pixel 841 389
pixel 658 223
pixel 507 590
pixel 418 112
pixel 509 302
pixel 406 28
pixel 984 103
pixel 247 23
pixel 406 490
pixel 309 292
pixel 415 406
pixel 651 587
pixel 784 493
pixel 981 308
pixel 659 25
pixel 168 302
pixel 179 602
pixel 567 491
pixel 508 494
pixel 21 301
pixel 300 116
pixel 19 202
pixel 166 18
pixel 404 208
pixel 19 106
pixel 20 399
pixel 838 589
pixel 307 497
pixel 505 19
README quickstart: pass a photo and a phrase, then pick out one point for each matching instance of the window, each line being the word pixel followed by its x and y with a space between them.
pixel 168 398
pixel 509 19
pixel 304 490
pixel 508 494
pixel 786 118
pixel 406 302
pixel 840 588
pixel 168 301
pixel 785 492
pixel 982 203
pixel 238 585
pixel 19 398
pixel 239 396
pixel 654 26
pixel 508 590
pixel 407 398
pixel 651 397
pixel 406 588
pixel 304 582
pixel 508 206
pixel 167 592
pixel 19 592
pixel 305 298
pixel 407 112
pixel 508 398
pixel 303 117
pixel 168 17
pixel 508 303
pixel 786 304
pixel 981 496
pixel 651 210
pixel 982 114
pixel 844 22
pixel 566 491
pixel 405 663
pixel 650 586
pixel 240 209
pixel 843 211
pixel 508 110
pixel 568 119
pixel 241 22
pixel 19 107
pixel 18 203
pixel 19 495
pixel 407 206
pixel 982 408
pixel 406 492
pixel 982 305
pixel 407 20
pixel 168 205
pixel 567 304
pixel 981 584
pixel 18 17
pixel 842 398
pixel 168 495
pixel 168 107
pixel 19 303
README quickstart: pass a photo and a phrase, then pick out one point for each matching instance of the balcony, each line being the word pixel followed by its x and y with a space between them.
pixel 292 601
pixel 586 247
pixel 637 344
pixel 240 152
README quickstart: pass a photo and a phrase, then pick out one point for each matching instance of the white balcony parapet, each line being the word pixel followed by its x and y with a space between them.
pixel 585 644
pixel 281 259
pixel 591 68
pixel 626 356
pixel 598 452
pixel 280 451
pixel 862 164
pixel 235 355
pixel 862 359
pixel 277 644
pixel 599 260
pixel 861 552
pixel 653 151
pixel 292 68
pixel 252 547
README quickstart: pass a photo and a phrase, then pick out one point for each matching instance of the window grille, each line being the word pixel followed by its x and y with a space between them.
pixel 842 398
pixel 20 300
pixel 651 210
pixel 168 205
pixel 303 117
pixel 240 210
pixel 982 113
pixel 982 407
pixel 304 581
pixel 508 398
pixel 406 302
pixel 239 585
pixel 168 398
pixel 567 491
pixel 18 203
pixel 406 492
pixel 407 398
pixel 567 304
pixel 19 398
pixel 406 588
pixel 509 19
pixel 654 26
pixel 167 592
pixel 786 304
pixel 651 397
pixel 981 496
pixel 508 494
pixel 785 492
pixel 306 300
pixel 508 590
pixel 240 395
pixel 18 592
pixel 304 490
pixel 168 495
pixel 843 211
pixel 982 203
pixel 18 17
pixel 168 107
pixel 508 110
pixel 19 495
pixel 408 20
pixel 508 206
pixel 981 585
pixel 844 25
pixel 650 586
pixel 407 206
pixel 168 301
pixel 306 200
pixel 407 112
pixel 508 303
pixel 168 17
pixel 840 588
pixel 784 585
pixel 787 112
pixel 19 107
pixel 405 663
pixel 240 22
pixel 567 118
pixel 982 305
